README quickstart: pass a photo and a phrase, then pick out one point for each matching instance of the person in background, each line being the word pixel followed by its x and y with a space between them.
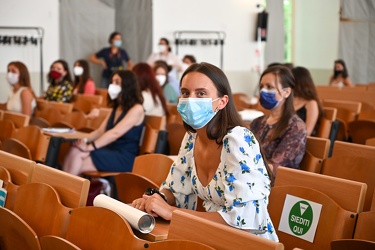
pixel 61 85
pixel 219 160
pixel 340 77
pixel 282 134
pixel 165 54
pixel 114 145
pixel 188 60
pixel 306 101
pixel 111 58
pixel 83 84
pixel 161 74
pixel 21 97
pixel 154 102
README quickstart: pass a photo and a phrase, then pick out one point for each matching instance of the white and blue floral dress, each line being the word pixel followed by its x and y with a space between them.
pixel 239 189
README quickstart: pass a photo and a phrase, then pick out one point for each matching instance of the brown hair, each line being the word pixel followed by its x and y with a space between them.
pixel 285 77
pixel 226 118
pixel 24 77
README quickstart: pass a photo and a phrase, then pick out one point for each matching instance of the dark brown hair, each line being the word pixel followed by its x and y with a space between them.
pixel 80 81
pixel 24 77
pixel 226 118
pixel 305 87
pixel 285 77
pixel 130 93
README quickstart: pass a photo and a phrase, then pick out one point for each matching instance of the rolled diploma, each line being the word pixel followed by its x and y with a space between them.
pixel 138 219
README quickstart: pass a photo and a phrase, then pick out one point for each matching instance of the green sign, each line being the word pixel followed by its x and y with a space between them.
pixel 300 218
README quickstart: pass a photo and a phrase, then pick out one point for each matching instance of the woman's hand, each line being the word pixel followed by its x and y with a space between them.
pixel 156 206
pixel 81 145
pixel 139 204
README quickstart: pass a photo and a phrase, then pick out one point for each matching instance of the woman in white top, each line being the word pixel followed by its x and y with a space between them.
pixel 165 54
pixel 153 99
pixel 21 97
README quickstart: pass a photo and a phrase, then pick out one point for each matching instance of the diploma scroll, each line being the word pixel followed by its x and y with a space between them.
pixel 138 219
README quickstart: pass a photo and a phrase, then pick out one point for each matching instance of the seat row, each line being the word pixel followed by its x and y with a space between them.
pixel 348 160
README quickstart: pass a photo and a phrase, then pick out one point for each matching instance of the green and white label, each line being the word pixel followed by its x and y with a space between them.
pixel 300 217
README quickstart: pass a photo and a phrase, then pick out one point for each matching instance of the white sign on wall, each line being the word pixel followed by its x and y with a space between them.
pixel 300 217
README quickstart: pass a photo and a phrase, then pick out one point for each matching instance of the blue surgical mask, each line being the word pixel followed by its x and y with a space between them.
pixel 117 43
pixel 196 112
pixel 267 99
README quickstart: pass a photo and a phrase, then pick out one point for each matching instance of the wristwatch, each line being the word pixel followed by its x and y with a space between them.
pixel 151 191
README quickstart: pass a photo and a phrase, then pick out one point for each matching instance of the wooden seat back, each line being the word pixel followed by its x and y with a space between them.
pixel 65 108
pixel 148 140
pixel 356 168
pixel 355 192
pixel 51 242
pixel 94 227
pixel 334 221
pixel 8 129
pixel 132 186
pixel 173 115
pixel 325 122
pixel 368 115
pixel 187 226
pixel 33 137
pixel 104 94
pixel 176 133
pixel 364 228
pixel 370 142
pixel 15 233
pixel 361 130
pixel 75 119
pixel 39 205
pixel 19 120
pixel 154 167
pixel 16 147
pixel 352 149
pixel 350 244
pixel 177 244
pixel 9 186
pixel 241 101
pixel 19 168
pixel 85 103
pixel 317 149
pixel 73 190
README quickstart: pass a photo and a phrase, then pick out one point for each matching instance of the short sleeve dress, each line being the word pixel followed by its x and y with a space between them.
pixel 239 189
pixel 119 155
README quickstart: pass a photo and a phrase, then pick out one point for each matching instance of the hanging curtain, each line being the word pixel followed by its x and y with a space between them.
pixel 85 26
pixel 357 39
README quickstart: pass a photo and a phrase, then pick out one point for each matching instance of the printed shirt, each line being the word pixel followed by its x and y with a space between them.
pixel 239 189
pixel 286 150
pixel 61 92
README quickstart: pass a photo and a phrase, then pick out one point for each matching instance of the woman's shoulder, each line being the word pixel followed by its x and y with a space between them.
pixel 238 132
pixel 296 123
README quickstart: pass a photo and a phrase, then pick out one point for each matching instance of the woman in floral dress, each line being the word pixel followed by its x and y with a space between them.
pixel 219 160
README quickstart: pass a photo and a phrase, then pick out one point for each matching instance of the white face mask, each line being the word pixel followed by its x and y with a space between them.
pixel 78 70
pixel 114 90
pixel 161 79
pixel 162 48
pixel 12 78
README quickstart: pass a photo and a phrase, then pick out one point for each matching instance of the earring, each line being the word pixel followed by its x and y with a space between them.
pixel 217 109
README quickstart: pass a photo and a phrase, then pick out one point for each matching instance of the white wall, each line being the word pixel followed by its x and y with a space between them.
pixel 40 13
pixel 237 18
pixel 316 35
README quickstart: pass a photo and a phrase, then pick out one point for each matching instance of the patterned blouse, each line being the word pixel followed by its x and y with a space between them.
pixel 286 150
pixel 239 189
pixel 60 92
